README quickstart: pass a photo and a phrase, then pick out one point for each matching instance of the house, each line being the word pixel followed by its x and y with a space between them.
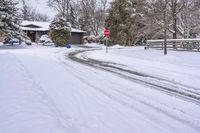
pixel 35 30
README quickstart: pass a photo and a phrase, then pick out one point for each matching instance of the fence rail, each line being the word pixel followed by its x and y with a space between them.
pixel 176 44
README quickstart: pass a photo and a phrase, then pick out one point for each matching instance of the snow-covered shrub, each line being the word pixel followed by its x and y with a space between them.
pixel 91 39
pixel 45 40
pixel 11 41
pixel 95 39
pixel 60 31
pixel 85 39
pixel 28 41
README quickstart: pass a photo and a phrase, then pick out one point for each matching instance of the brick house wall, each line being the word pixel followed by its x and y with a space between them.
pixel 1 37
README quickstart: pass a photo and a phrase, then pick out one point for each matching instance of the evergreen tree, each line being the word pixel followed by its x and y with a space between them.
pixel 9 19
pixel 60 31
pixel 125 21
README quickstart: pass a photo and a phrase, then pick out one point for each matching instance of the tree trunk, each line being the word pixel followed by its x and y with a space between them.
pixel 174 15
pixel 165 28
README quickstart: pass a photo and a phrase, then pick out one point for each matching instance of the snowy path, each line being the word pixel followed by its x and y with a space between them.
pixel 85 99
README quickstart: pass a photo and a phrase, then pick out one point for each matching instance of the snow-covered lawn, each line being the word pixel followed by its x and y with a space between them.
pixel 182 67
pixel 42 91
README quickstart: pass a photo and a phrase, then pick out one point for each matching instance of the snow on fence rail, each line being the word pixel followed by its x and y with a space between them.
pixel 177 44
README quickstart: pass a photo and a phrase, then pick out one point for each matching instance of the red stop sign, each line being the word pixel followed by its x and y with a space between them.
pixel 107 33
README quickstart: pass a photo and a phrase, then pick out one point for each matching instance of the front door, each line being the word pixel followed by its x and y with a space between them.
pixel 32 35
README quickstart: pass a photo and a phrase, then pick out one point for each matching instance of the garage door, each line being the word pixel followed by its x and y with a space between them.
pixel 76 38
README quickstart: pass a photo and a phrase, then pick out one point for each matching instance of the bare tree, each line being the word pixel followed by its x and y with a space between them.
pixel 183 18
pixel 26 10
pixel 36 16
pixel 158 16
pixel 165 26
pixel 92 15
pixel 189 19
pixel 61 6
pixel 159 20
pixel 31 14
pixel 104 4
pixel 66 9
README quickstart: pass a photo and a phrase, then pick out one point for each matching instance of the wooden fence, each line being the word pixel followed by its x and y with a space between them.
pixel 175 44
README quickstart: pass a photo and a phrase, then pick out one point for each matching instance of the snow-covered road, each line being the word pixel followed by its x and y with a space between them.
pixel 157 82
pixel 44 91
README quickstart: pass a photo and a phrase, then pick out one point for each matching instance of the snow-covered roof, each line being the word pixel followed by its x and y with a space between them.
pixel 41 26
pixel 44 26
pixel 77 30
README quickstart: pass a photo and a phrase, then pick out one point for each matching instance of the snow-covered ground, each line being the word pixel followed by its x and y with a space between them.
pixel 43 91
pixel 180 67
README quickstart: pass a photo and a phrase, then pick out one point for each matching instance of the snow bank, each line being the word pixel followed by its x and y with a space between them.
pixel 117 46
pixel 95 45
pixel 15 46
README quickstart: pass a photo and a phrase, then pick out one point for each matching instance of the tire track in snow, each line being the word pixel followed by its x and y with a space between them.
pixel 150 116
pixel 60 120
pixel 141 78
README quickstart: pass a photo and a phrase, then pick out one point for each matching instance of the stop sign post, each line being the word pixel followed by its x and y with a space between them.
pixel 106 34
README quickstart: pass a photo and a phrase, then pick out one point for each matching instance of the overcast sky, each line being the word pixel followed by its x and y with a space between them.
pixel 41 6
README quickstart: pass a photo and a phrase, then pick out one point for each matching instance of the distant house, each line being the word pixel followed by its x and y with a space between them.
pixel 35 30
